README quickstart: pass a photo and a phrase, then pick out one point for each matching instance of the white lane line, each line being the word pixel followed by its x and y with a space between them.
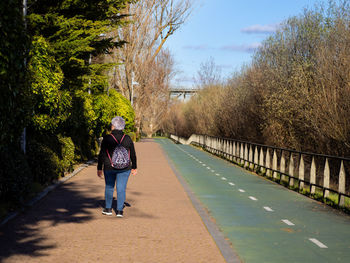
pixel 253 198
pixel 217 174
pixel 268 209
pixel 212 171
pixel 286 221
pixel 318 243
pixel 208 168
pixel 223 178
pixel 231 183
pixel 241 190
pixel 204 164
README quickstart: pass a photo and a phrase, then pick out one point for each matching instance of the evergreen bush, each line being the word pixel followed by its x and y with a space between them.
pixel 15 176
pixel 44 163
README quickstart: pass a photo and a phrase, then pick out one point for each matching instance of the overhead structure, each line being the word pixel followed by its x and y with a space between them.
pixel 182 93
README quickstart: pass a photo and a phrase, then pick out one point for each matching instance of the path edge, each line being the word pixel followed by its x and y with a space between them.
pixel 43 193
pixel 224 246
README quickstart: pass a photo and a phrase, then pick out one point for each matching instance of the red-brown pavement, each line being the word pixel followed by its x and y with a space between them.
pixel 67 225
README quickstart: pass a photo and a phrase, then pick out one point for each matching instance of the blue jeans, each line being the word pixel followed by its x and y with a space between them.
pixel 111 176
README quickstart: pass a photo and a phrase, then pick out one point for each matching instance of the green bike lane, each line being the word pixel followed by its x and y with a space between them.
pixel 264 221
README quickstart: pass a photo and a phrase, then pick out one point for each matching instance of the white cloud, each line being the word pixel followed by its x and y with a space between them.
pixel 196 47
pixel 242 48
pixel 260 29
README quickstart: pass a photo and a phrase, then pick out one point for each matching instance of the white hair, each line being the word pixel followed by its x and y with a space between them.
pixel 118 123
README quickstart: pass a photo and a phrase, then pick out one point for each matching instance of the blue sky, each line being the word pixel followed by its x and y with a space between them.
pixel 228 31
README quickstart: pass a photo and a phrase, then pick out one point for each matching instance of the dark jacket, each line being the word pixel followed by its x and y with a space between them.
pixel 108 144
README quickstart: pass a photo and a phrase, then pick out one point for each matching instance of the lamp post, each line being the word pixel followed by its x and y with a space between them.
pixel 24 133
pixel 132 88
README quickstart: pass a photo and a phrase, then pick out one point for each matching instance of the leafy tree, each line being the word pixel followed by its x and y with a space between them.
pixel 50 104
pixel 14 105
pixel 76 29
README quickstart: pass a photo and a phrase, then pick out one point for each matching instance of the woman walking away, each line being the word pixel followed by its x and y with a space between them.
pixel 118 159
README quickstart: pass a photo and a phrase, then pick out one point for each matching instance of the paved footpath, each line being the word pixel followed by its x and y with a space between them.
pixel 67 225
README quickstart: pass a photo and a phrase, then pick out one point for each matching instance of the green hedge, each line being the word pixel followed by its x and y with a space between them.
pixel 44 163
pixel 15 176
pixel 67 153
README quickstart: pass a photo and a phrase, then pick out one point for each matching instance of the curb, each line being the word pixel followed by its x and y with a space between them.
pixel 43 193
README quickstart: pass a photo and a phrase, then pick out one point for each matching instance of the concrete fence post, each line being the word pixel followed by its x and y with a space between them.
pixel 283 167
pixel 256 157
pixel 232 150
pixel 261 159
pixel 235 150
pixel 241 153
pixel 291 170
pixel 228 149
pixel 246 155
pixel 222 145
pixel 268 162
pixel 274 163
pixel 251 163
pixel 341 185
pixel 217 146
pixel 301 172
pixel 313 176
pixel 326 178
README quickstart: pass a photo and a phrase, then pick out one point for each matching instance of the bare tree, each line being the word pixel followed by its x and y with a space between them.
pixel 151 23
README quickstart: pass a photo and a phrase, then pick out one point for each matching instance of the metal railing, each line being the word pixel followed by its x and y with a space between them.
pixel 302 170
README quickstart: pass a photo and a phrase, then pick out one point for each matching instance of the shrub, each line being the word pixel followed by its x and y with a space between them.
pixel 44 163
pixel 67 153
pixel 15 175
pixel 106 107
pixel 51 104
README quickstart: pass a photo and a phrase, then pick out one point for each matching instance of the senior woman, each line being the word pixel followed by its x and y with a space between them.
pixel 114 173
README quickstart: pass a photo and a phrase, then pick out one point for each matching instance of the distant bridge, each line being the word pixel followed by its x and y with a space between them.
pixel 182 93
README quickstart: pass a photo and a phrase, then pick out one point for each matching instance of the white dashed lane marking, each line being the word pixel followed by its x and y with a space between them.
pixel 268 209
pixel 286 221
pixel 318 243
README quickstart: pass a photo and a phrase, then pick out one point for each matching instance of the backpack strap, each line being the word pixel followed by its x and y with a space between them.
pixel 121 143
pixel 110 159
pixel 116 139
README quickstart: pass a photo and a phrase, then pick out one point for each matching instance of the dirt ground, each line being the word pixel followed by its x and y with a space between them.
pixel 161 224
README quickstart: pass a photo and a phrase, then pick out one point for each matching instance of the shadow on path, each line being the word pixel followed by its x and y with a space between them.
pixel 67 204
